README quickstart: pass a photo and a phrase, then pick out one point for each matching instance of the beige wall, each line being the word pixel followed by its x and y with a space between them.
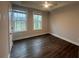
pixel 30 32
pixel 64 22
pixel 4 44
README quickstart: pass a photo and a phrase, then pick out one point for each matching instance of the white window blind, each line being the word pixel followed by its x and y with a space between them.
pixel 37 21
pixel 19 20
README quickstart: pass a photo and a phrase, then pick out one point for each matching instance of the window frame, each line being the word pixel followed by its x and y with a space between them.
pixel 41 21
pixel 26 18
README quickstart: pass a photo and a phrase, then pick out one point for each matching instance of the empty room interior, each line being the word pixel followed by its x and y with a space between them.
pixel 39 29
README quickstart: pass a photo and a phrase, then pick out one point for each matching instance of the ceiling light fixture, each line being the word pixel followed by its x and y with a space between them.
pixel 47 5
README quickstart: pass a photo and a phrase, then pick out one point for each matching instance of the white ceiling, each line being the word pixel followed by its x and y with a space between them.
pixel 39 4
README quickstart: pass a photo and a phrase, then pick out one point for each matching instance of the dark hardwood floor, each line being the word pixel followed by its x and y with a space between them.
pixel 44 46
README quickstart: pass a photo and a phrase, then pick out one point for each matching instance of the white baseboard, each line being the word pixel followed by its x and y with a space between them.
pixel 65 39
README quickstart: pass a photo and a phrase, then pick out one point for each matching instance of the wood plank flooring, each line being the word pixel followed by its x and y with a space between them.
pixel 44 46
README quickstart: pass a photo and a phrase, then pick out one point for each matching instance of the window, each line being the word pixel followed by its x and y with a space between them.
pixel 37 21
pixel 19 20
